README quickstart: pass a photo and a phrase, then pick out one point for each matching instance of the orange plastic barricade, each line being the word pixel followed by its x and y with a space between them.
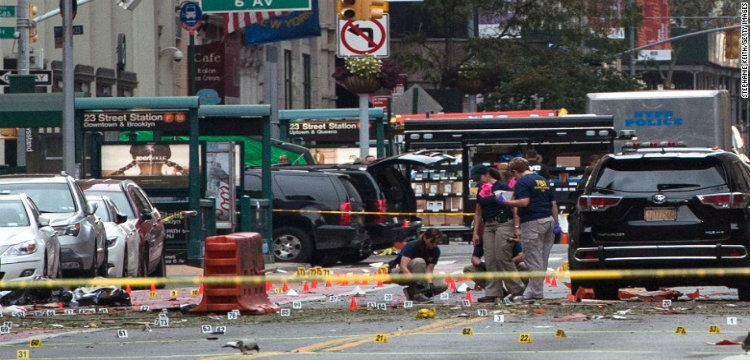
pixel 238 254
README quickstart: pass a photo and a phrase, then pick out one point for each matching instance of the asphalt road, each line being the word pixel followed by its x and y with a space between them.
pixel 316 328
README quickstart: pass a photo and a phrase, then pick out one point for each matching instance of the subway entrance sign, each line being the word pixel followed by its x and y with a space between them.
pixel 158 120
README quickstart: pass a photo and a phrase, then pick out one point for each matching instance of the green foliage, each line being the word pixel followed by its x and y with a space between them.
pixel 548 53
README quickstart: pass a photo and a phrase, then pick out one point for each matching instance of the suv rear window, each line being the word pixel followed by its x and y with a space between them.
pixel 678 174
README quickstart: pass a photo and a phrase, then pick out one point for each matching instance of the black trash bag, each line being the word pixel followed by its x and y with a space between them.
pixel 33 296
pixel 103 296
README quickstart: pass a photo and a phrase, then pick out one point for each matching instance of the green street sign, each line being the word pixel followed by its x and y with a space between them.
pixel 7 32
pixel 213 6
pixel 7 11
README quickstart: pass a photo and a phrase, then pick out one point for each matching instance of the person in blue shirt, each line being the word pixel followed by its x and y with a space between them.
pixel 493 228
pixel 420 257
pixel 537 222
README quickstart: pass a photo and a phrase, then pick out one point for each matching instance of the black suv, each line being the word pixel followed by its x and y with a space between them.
pixel 315 215
pixel 388 197
pixel 663 208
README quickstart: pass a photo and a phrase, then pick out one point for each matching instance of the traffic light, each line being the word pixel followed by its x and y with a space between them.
pixel 32 24
pixel 732 44
pixel 353 10
pixel 375 9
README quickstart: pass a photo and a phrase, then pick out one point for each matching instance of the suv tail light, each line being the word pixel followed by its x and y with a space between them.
pixel 725 201
pixel 346 216
pixel 381 208
pixel 597 203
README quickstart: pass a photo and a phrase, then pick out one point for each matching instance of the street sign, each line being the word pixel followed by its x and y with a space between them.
pixel 7 11
pixel 7 32
pixel 41 77
pixel 214 6
pixel 363 37
pixel 58 30
pixel 190 16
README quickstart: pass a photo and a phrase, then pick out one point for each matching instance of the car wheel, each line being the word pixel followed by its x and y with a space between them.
pixel 92 271
pixel 125 263
pixel 606 291
pixel 102 270
pixel 291 244
pixel 743 291
pixel 58 273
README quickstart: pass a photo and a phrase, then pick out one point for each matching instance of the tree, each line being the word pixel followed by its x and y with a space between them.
pixel 547 54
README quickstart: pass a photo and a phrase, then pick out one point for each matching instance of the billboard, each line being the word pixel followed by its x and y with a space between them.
pixel 151 165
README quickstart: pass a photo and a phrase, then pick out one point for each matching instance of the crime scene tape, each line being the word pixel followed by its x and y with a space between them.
pixel 423 213
pixel 384 277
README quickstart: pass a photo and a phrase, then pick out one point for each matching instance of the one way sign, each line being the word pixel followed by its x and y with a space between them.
pixel 41 77
pixel 363 37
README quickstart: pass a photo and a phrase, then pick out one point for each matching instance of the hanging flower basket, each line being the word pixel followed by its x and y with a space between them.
pixel 471 86
pixel 362 85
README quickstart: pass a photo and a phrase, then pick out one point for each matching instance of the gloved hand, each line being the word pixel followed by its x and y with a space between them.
pixel 557 229
pixel 485 190
pixel 499 197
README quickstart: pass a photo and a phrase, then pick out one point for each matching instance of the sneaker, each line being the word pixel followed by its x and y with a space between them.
pixel 488 299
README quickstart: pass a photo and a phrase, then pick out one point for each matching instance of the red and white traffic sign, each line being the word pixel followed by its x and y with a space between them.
pixel 363 37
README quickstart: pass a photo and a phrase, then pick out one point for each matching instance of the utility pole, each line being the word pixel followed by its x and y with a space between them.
pixel 23 23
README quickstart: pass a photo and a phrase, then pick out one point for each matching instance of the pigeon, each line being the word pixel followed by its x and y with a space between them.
pixel 746 343
pixel 244 345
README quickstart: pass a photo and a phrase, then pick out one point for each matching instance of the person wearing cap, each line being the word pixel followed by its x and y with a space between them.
pixel 493 228
pixel 537 222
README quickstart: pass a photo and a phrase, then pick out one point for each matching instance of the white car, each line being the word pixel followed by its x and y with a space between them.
pixel 122 239
pixel 29 246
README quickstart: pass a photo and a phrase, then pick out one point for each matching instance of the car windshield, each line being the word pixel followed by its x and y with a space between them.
pixel 117 197
pixel 651 176
pixel 49 197
pixel 13 214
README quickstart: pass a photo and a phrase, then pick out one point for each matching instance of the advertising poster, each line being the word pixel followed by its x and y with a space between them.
pixel 150 165
pixel 220 168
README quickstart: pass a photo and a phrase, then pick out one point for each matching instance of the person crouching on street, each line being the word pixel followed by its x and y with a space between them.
pixel 420 257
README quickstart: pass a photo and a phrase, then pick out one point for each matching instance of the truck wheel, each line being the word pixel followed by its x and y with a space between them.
pixel 291 244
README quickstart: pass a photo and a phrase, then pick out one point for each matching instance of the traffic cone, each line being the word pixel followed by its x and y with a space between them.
pixel 314 284
pixel 553 282
pixel 406 223
pixel 564 238
pixel 468 296
pixel 379 284
pixel 60 305
pixel 153 287
pixel 451 285
pixel 353 304
pixel 128 289
pixel 269 286
pixel 305 287
pixel 285 287
pixel 201 288
pixel 328 283
pixel 547 280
